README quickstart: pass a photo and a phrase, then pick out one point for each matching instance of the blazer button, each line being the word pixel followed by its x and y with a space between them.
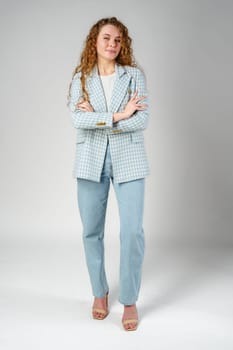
pixel 118 130
pixel 100 123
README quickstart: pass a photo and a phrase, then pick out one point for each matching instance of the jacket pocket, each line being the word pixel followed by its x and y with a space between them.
pixel 137 136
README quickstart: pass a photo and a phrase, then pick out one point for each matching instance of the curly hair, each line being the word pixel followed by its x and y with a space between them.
pixel 88 57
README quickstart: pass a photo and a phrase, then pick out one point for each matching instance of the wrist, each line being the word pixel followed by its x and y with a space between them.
pixel 119 116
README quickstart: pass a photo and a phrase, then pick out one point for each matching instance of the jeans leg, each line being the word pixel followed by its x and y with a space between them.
pixel 92 202
pixel 130 198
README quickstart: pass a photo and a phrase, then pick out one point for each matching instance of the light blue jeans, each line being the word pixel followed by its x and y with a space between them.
pixel 92 202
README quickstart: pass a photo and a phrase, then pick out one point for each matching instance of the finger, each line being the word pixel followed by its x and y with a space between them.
pixel 141 108
pixel 86 107
pixel 141 105
pixel 86 104
pixel 141 98
pixel 82 105
pixel 134 95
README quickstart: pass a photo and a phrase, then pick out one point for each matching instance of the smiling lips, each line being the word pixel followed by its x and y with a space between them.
pixel 111 51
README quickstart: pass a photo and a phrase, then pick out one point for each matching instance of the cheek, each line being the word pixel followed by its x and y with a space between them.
pixel 99 45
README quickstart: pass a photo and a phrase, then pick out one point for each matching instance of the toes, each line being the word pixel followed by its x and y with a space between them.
pixel 129 326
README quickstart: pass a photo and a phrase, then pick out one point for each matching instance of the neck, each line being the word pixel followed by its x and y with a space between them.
pixel 106 67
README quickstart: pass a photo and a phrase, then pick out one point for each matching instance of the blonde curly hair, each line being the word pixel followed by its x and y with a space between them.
pixel 88 57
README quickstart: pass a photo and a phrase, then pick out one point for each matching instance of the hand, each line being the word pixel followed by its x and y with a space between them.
pixel 134 105
pixel 85 106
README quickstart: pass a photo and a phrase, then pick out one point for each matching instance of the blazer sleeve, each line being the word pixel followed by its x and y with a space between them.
pixel 139 119
pixel 86 120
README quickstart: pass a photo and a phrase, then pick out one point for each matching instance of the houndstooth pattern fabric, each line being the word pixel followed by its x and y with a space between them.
pixel 95 129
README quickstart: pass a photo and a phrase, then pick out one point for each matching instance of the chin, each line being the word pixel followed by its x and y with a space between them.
pixel 111 58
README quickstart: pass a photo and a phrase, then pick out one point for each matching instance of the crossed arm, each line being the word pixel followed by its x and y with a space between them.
pixel 133 117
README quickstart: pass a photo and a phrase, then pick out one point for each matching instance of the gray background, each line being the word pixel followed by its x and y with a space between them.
pixel 185 49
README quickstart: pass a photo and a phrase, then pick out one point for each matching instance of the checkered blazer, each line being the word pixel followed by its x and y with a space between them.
pixel 126 139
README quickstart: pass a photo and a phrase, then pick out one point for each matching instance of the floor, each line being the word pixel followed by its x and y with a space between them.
pixel 45 297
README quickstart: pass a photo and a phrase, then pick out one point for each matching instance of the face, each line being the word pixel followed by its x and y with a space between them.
pixel 108 44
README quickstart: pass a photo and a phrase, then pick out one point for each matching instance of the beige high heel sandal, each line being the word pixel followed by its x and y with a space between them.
pixel 128 321
pixel 102 312
pixel 133 321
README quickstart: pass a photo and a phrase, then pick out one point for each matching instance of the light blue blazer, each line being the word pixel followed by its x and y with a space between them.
pixel 94 129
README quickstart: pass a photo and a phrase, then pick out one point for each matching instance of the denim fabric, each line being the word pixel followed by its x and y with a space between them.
pixel 92 202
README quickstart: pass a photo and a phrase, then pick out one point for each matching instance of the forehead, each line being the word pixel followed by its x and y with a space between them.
pixel 110 29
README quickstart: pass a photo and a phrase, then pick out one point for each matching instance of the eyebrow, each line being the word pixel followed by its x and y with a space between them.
pixel 110 35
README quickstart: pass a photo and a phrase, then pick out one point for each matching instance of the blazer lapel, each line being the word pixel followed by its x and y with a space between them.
pixel 96 91
pixel 120 87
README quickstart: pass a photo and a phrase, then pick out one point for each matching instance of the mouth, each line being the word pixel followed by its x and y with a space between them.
pixel 111 51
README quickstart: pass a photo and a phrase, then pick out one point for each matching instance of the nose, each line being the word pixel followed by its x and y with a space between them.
pixel 112 43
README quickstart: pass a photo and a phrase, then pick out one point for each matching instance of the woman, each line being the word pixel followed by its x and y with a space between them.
pixel 107 100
